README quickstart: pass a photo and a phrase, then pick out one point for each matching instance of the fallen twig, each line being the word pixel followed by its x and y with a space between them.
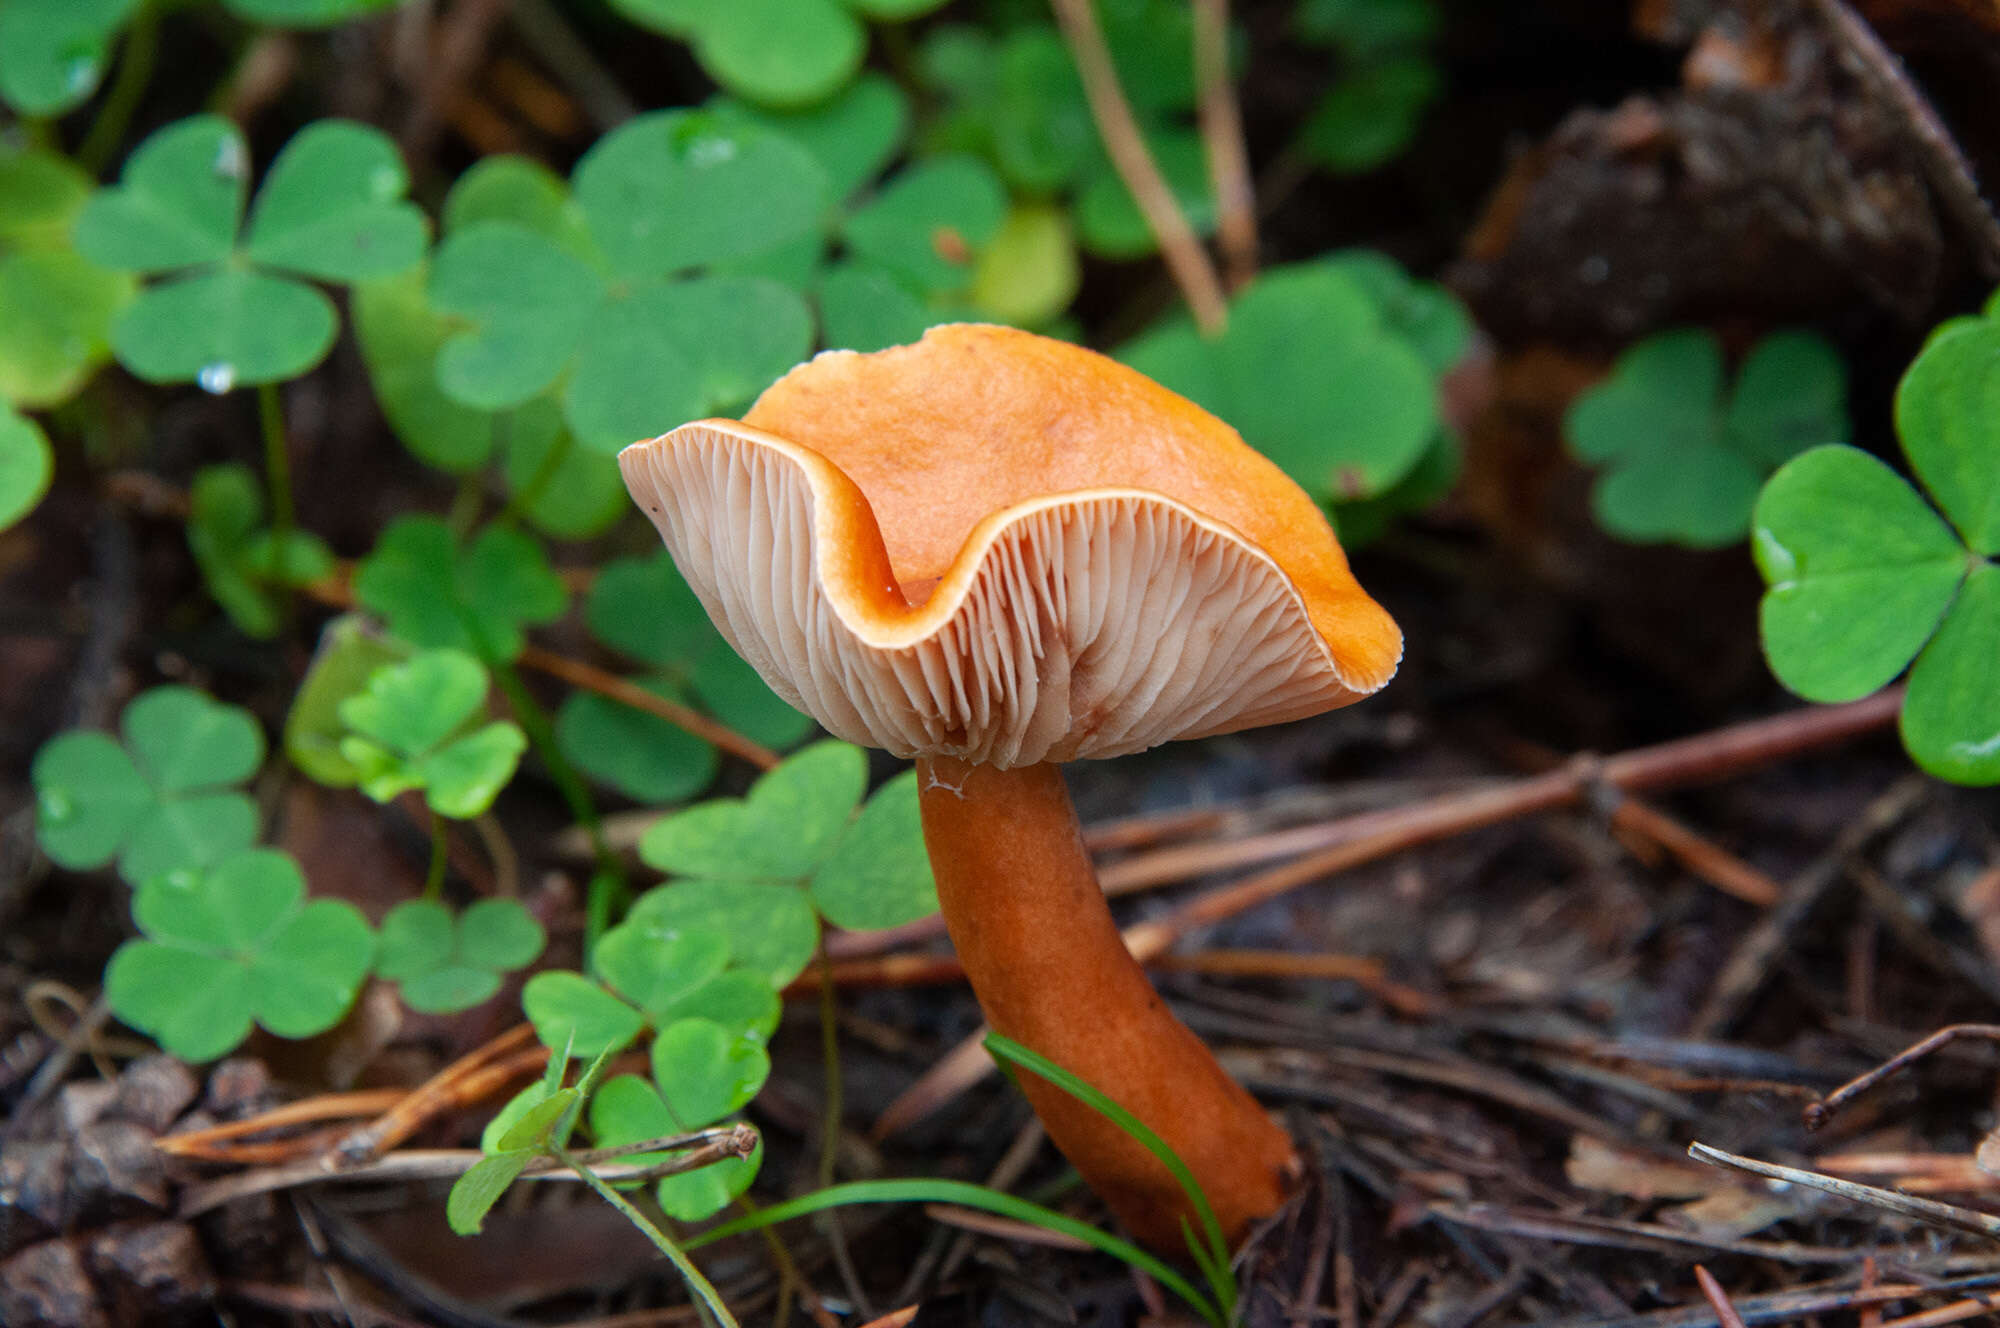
pixel 1819 1113
pixel 1186 260
pixel 1928 1211
pixel 1222 136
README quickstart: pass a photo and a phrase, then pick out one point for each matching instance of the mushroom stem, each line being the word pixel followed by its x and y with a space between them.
pixel 1023 906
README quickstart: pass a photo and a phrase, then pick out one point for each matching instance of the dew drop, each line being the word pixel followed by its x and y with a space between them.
pixel 385 182
pixel 231 162
pixel 56 807
pixel 217 378
pixel 79 73
pixel 705 152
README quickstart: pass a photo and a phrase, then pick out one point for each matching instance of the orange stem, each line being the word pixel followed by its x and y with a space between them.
pixel 1044 957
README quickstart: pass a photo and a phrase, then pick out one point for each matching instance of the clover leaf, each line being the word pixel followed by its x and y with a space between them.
pixel 757 868
pixel 477 598
pixel 642 608
pixel 1313 376
pixel 163 801
pixel 26 466
pixel 232 310
pixel 1386 79
pixel 628 1110
pixel 445 963
pixel 304 13
pixel 416 727
pixel 852 135
pixel 613 297
pixel 1863 576
pixel 236 944
pixel 349 653
pixel 646 974
pixel 56 308
pixel 782 53
pixel 239 556
pixel 53 52
pixel 1681 462
pixel 706 1073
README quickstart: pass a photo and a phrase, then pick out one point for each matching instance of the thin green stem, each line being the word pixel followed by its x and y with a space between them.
pixel 440 853
pixel 608 890
pixel 702 1289
pixel 277 463
pixel 530 493
pixel 464 513
pixel 135 70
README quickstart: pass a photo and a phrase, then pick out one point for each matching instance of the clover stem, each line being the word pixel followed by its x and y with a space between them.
pixel 277 471
pixel 704 1292
pixel 1024 909
pixel 135 71
pixel 608 889
pixel 440 852
pixel 464 513
pixel 530 493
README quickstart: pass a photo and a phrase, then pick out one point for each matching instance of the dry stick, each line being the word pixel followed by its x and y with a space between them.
pixel 1712 755
pixel 1956 1312
pixel 1186 260
pixel 1820 1112
pixel 704 1148
pixel 591 678
pixel 438 1092
pixel 1927 1211
pixel 1698 853
pixel 1718 1299
pixel 1950 173
pixel 1222 135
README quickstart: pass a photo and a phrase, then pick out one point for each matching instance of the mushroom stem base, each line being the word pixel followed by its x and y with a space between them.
pixel 1024 909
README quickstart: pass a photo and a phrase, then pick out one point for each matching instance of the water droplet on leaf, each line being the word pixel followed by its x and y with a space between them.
pixel 56 806
pixel 231 161
pixel 217 378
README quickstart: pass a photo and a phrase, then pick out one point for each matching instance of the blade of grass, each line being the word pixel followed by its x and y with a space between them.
pixel 1214 1260
pixel 970 1196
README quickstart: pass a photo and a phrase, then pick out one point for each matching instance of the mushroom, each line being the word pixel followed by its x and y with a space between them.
pixel 993 552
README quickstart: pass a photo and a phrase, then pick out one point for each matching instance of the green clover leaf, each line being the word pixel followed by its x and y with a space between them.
pixel 852 135
pixel 1313 377
pixel 349 653
pixel 1863 575
pixel 239 557
pixel 331 209
pixel 477 599
pixel 879 873
pixel 232 945
pixel 26 466
pixel 639 754
pixel 614 298
pixel 1683 464
pixel 780 53
pixel 705 1072
pixel 53 52
pixel 304 13
pixel 864 308
pixel 646 973
pixel 768 926
pixel 416 727
pixel 164 801
pixel 1108 220
pixel 780 831
pixel 628 1110
pixel 929 223
pixel 56 308
pixel 446 963
pixel 757 869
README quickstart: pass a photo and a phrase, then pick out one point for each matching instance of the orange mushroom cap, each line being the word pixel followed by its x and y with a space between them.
pixel 1007 549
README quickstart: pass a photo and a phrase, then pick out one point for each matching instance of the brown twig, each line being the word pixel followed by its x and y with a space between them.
pixel 1928 1211
pixel 1819 1113
pixel 1718 1299
pixel 216 1143
pixel 1180 247
pixel 1712 755
pixel 593 679
pixel 1951 175
pixel 443 1091
pixel 1222 136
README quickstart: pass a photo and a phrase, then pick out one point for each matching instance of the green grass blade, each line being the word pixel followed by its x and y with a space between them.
pixel 969 1196
pixel 1214 1261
